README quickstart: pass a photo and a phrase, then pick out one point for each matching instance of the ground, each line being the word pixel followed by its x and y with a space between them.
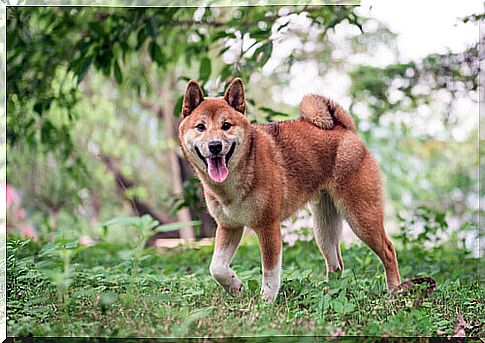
pixel 104 290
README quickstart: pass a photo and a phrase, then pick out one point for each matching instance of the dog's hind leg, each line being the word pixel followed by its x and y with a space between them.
pixel 359 194
pixel 226 243
pixel 327 229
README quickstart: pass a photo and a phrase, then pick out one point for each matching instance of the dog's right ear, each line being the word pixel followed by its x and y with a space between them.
pixel 235 95
pixel 192 98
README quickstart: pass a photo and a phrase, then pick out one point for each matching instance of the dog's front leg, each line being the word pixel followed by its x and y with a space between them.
pixel 226 243
pixel 271 255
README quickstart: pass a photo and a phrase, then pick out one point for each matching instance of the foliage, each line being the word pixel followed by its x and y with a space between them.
pixel 51 50
pixel 405 86
pixel 409 115
pixel 170 293
pixel 144 227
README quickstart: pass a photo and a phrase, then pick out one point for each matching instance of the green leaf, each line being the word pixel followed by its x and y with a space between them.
pixel 126 254
pixel 221 34
pixel 348 307
pixel 152 26
pixel 205 69
pixel 122 221
pixel 49 248
pixel 337 306
pixel 176 226
pixel 259 34
pixel 226 72
pixel 273 112
pixel 156 53
pixel 325 303
pixel 252 285
pixel 177 109
pixel 38 107
pixel 42 105
pixel 117 72
pixel 47 133
pixel 83 69
pixel 140 38
pixel 71 245
pixel 223 50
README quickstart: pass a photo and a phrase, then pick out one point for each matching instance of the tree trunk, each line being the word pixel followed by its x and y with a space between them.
pixel 208 225
pixel 183 214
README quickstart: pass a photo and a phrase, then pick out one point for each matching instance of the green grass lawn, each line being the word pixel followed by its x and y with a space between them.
pixel 109 290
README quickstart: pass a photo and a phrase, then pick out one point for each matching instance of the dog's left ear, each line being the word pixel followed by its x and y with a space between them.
pixel 235 95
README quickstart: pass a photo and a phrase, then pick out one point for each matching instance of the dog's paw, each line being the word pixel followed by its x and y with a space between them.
pixel 269 293
pixel 269 296
pixel 235 288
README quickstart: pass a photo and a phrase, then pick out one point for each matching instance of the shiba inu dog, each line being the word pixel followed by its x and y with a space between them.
pixel 259 175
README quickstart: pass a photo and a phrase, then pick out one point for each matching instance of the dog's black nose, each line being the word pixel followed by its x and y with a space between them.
pixel 215 147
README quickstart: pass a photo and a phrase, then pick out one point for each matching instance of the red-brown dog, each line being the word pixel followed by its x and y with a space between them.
pixel 258 175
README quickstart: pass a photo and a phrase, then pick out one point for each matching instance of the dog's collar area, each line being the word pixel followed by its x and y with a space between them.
pixel 230 152
pixel 200 155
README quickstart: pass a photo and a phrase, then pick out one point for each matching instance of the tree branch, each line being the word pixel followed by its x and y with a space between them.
pixel 139 207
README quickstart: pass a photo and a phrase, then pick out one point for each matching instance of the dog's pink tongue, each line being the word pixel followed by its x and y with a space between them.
pixel 217 168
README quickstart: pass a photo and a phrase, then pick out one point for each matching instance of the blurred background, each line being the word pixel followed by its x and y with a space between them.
pixel 94 96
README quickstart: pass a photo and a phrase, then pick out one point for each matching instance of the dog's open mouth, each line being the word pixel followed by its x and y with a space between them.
pixel 217 165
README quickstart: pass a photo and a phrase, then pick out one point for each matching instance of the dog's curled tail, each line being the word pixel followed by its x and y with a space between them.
pixel 325 113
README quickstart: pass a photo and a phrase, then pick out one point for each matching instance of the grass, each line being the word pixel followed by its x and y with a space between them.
pixel 62 289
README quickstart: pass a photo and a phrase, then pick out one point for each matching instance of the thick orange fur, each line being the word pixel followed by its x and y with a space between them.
pixel 275 170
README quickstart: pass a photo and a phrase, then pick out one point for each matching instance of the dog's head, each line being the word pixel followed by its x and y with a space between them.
pixel 213 130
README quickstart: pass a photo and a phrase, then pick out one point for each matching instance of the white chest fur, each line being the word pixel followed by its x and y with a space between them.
pixel 236 213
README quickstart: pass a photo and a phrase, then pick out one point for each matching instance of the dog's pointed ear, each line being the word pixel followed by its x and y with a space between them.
pixel 235 95
pixel 192 98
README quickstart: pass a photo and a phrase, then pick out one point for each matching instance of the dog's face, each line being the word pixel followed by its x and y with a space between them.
pixel 214 130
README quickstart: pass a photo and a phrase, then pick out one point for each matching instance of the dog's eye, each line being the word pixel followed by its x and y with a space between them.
pixel 200 127
pixel 226 126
